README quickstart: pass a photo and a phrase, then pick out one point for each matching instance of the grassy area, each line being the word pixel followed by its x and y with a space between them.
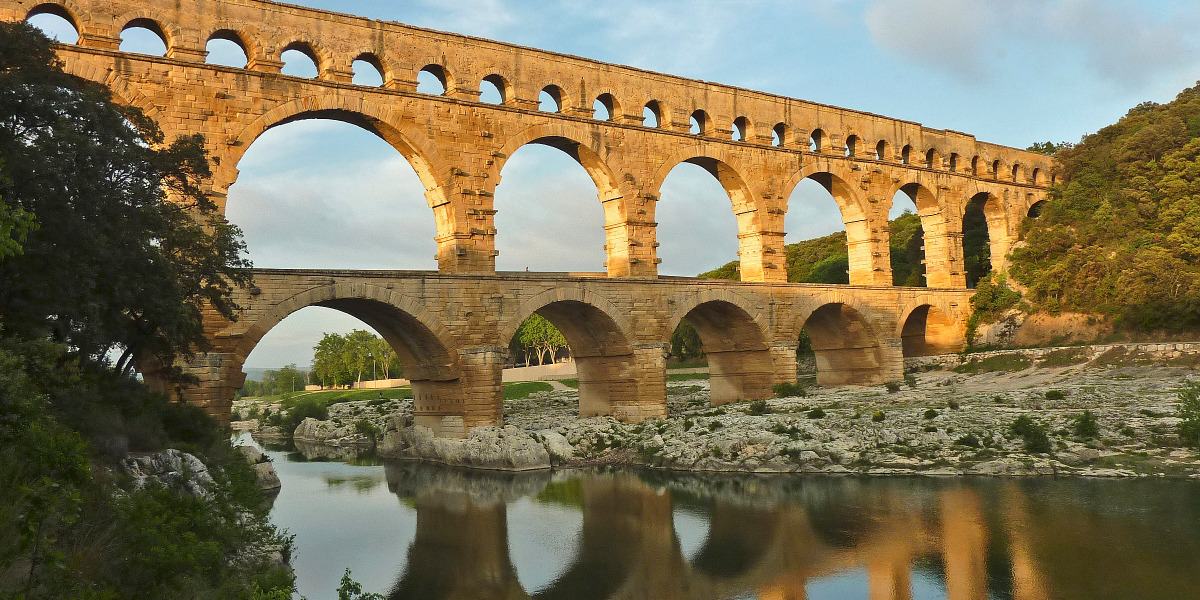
pixel 571 383
pixel 524 389
pixel 328 397
pixel 1064 357
pixel 1004 363
pixel 688 363
pixel 686 376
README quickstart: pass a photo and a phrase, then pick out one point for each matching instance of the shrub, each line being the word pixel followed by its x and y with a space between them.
pixel 816 413
pixel 716 452
pixel 910 380
pixel 970 440
pixel 367 428
pixel 952 404
pixel 687 423
pixel 931 414
pixel 1126 431
pixel 878 417
pixel 1055 394
pixel 758 407
pixel 931 429
pixel 1032 433
pixel 789 390
pixel 236 416
pixel 715 425
pixel 1086 425
pixel 1189 411
pixel 252 413
pixel 892 386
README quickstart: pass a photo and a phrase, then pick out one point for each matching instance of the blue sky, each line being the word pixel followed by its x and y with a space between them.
pixel 1012 72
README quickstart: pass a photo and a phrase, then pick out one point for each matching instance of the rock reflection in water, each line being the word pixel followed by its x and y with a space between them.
pixel 777 538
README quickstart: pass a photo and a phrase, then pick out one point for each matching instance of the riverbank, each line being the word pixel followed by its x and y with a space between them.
pixel 1072 412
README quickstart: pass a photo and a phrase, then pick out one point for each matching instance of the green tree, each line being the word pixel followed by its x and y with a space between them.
pixel 357 352
pixel 540 337
pixel 128 249
pixel 685 341
pixel 289 379
pixel 328 363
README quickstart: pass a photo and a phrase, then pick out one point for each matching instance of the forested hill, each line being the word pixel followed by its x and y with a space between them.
pixel 824 259
pixel 1122 237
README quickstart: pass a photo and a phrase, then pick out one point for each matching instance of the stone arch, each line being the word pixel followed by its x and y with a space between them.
pixel 855 217
pixel 929 328
pixel 502 81
pixel 853 145
pixel 147 19
pixel 743 129
pixel 611 105
pixel 126 94
pixel 660 112
pixel 600 340
pixel 442 74
pixel 847 347
pixel 939 251
pixel 780 131
pixel 312 51
pixel 377 61
pixel 881 150
pixel 557 93
pixel 64 9
pixel 933 159
pixel 744 201
pixel 244 40
pixel 703 122
pixel 818 141
pixel 995 213
pixel 735 336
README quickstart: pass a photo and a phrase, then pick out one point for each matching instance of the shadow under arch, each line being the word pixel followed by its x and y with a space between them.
pixel 735 342
pixel 426 349
pixel 743 202
pixel 599 340
pixel 982 257
pixel 846 346
pixel 930 330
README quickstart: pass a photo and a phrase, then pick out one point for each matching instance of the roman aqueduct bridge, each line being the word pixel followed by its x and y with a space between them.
pixel 450 326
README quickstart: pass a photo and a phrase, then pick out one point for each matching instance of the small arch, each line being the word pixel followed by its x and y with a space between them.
pixel 845 345
pixel 144 36
pixel 227 48
pixel 368 70
pixel 1053 178
pixel 493 89
pixel 1035 176
pixel 881 150
pixel 996 169
pixel 953 162
pixel 929 331
pixel 906 154
pixel 851 145
pixel 434 80
pixel 652 114
pixel 300 59
pixel 1035 209
pixel 816 141
pixel 605 107
pixel 1016 172
pixel 56 21
pixel 932 159
pixel 741 129
pixel 699 123
pixel 779 135
pixel 551 99
pixel 975 166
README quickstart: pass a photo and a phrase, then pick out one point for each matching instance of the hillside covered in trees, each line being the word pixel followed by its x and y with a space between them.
pixel 1122 236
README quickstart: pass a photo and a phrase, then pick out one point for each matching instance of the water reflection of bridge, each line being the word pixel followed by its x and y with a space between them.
pixel 628 547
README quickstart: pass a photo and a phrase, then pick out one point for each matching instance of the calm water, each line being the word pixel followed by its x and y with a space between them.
pixel 425 532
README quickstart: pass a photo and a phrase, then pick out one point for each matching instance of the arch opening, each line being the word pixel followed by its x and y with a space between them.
pixel 827 238
pixel 929 331
pixel 652 114
pixel 226 48
pixel 300 60
pixel 907 235
pixel 844 346
pixel 975 166
pixel 493 90
pixel 953 162
pixel 906 154
pixel 690 240
pixel 1035 210
pixel 816 141
pixel 739 363
pixel 368 71
pixel 544 197
pixel 778 134
pixel 144 36
pixel 698 123
pixel 605 108
pixel 433 80
pixel 881 150
pixel 551 99
pixel 852 145
pixel 741 129
pixel 55 21
pixel 983 230
pixel 932 158
pixel 296 201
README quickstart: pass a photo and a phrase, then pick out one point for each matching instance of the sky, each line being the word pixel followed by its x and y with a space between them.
pixel 1012 72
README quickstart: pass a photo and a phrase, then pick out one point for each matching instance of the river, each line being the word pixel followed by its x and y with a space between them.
pixel 420 531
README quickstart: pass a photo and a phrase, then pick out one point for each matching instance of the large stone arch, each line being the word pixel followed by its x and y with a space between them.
pixel 576 141
pixel 746 204
pixel 847 346
pixel 601 344
pixel 929 327
pixel 941 244
pixel 736 338
pixel 861 242
pixel 996 213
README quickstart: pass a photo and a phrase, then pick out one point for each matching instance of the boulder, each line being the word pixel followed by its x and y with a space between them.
pixel 172 468
pixel 505 448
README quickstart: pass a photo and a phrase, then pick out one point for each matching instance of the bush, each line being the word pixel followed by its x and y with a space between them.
pixel 1032 433
pixel 878 417
pixel 816 413
pixel 1055 394
pixel 715 425
pixel 952 404
pixel 1086 425
pixel 931 414
pixel 970 440
pixel 367 428
pixel 910 380
pixel 758 407
pixel 789 390
pixel 1189 411
pixel 892 386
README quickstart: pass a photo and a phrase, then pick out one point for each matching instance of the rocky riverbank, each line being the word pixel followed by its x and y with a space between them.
pixel 1061 414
